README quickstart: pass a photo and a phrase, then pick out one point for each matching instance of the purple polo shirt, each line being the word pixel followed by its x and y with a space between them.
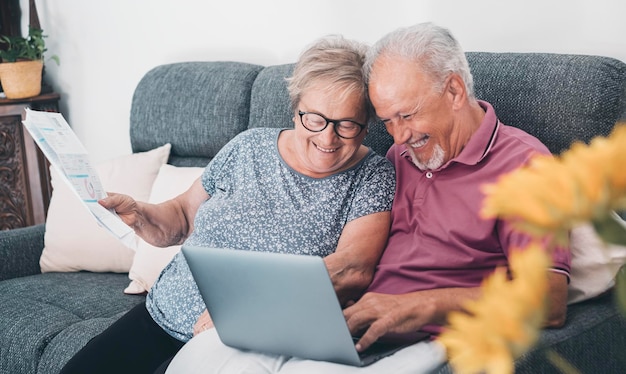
pixel 438 239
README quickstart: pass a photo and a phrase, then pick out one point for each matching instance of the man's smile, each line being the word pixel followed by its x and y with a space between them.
pixel 419 143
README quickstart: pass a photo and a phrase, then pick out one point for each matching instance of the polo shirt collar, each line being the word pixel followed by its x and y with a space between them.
pixel 482 140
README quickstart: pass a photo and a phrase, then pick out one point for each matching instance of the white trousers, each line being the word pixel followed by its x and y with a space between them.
pixel 205 354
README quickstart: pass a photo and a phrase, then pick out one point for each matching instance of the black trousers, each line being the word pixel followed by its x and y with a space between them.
pixel 133 344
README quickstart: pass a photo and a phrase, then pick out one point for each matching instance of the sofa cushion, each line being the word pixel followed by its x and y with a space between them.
pixel 71 339
pixel 594 264
pixel 197 106
pixel 74 239
pixel 150 260
pixel 51 316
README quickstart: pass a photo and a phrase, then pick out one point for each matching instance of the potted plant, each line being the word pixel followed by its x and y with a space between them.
pixel 21 64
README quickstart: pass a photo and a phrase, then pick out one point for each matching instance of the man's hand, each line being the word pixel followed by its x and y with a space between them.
pixel 204 323
pixel 378 314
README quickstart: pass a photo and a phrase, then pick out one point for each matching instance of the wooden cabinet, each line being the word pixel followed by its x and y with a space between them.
pixel 24 172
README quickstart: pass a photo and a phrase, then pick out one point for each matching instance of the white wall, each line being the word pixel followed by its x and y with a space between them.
pixel 105 47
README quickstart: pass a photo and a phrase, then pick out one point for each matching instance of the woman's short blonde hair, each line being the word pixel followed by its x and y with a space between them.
pixel 334 60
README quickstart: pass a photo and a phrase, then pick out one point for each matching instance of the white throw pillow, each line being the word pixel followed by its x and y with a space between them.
pixel 73 239
pixel 150 260
pixel 594 264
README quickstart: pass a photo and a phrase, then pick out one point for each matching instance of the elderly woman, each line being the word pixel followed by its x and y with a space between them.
pixel 317 178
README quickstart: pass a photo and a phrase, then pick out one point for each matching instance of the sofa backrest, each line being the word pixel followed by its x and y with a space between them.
pixel 196 106
pixel 558 98
pixel 199 106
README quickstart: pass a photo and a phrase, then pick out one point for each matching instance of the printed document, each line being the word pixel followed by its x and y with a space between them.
pixel 69 157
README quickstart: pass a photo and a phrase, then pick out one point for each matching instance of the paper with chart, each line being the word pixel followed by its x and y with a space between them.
pixel 69 157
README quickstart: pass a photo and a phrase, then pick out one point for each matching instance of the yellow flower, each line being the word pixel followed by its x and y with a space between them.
pixel 505 321
pixel 551 195
pixel 546 199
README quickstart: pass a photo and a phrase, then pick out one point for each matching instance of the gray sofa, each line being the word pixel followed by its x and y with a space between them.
pixel 199 106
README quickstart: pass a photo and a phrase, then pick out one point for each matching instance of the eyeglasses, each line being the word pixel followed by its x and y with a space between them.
pixel 344 128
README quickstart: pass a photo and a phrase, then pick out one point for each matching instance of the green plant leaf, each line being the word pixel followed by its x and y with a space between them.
pixel 19 48
pixel 55 58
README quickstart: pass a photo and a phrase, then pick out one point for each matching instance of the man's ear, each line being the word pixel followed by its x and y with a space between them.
pixel 456 89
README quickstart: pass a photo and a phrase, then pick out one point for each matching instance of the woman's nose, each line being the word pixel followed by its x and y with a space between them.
pixel 328 134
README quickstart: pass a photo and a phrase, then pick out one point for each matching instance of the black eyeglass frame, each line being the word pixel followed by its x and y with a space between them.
pixel 335 122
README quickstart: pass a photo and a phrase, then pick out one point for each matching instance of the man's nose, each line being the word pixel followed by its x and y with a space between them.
pixel 398 131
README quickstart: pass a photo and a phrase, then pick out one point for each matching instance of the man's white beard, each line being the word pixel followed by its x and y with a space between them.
pixel 433 163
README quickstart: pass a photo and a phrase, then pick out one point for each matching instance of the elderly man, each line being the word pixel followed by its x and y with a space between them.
pixel 447 144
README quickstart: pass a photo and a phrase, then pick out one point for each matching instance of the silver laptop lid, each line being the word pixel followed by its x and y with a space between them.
pixel 272 303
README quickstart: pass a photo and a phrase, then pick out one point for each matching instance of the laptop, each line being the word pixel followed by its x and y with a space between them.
pixel 279 304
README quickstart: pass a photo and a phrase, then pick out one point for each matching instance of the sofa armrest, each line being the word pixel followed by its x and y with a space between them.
pixel 20 250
